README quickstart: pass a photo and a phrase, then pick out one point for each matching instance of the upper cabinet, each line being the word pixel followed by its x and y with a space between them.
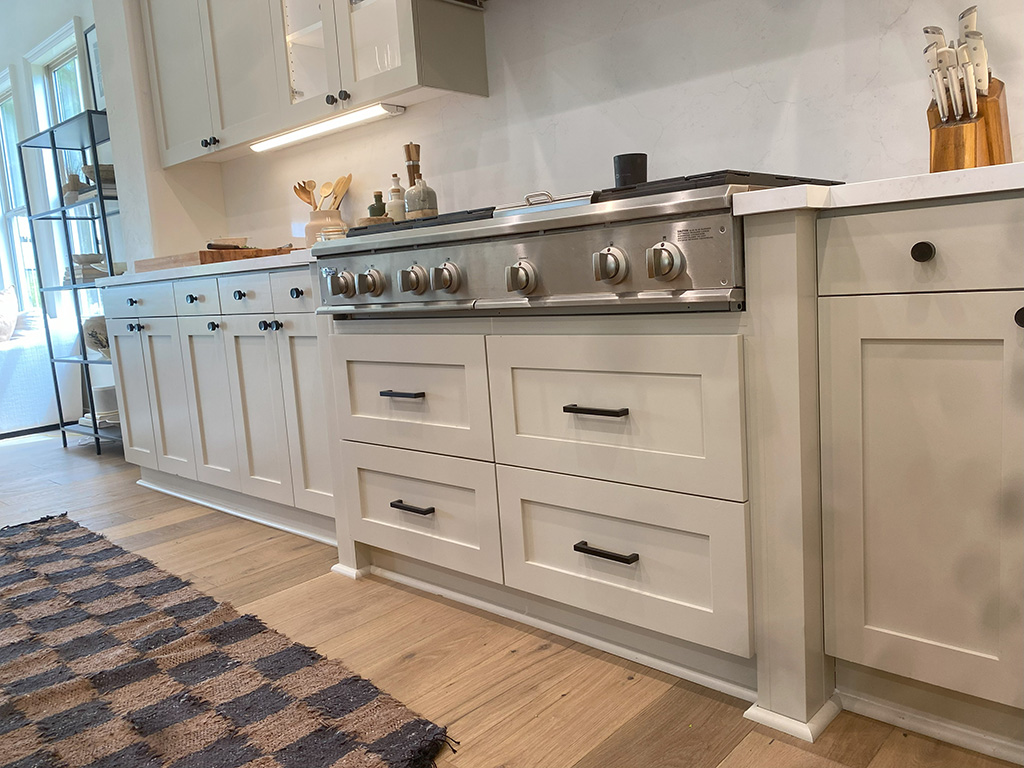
pixel 228 72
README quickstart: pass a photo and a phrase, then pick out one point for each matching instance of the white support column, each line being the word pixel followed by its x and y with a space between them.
pixel 795 678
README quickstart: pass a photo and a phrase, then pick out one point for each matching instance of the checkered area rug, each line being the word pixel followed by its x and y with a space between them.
pixel 107 661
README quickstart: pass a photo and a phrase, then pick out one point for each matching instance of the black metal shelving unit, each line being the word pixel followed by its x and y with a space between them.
pixel 83 133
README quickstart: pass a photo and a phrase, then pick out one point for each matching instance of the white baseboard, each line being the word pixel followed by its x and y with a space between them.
pixel 685 673
pixel 808 731
pixel 352 573
pixel 935 727
pixel 287 519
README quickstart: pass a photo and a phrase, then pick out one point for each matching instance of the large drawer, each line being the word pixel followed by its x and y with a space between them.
pixel 438 509
pixel 248 292
pixel 422 392
pixel 141 300
pixel 196 297
pixel 977 247
pixel 690 577
pixel 684 430
pixel 292 291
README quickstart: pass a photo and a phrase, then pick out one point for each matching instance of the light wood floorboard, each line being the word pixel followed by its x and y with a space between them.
pixel 514 696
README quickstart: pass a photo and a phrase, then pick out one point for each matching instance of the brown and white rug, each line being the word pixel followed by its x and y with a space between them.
pixel 106 661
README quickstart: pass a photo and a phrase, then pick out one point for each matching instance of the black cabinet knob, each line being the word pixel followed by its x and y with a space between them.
pixel 276 325
pixel 204 143
pixel 132 302
pixel 239 295
pixel 212 326
pixel 214 141
pixel 331 99
pixel 922 252
pixel 344 95
pixel 295 293
pixel 264 325
pixel 1018 317
pixel 131 327
pixel 191 298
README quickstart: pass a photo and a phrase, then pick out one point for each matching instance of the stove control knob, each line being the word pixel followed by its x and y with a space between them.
pixel 339 283
pixel 447 277
pixel 372 282
pixel 611 265
pixel 521 277
pixel 413 280
pixel 665 261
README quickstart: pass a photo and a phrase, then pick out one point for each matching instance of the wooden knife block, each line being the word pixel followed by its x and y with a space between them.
pixel 971 143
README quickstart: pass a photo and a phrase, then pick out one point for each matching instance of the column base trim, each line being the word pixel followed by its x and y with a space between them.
pixel 808 731
pixel 352 573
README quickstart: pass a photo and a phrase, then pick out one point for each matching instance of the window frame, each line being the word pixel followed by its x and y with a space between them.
pixel 10 272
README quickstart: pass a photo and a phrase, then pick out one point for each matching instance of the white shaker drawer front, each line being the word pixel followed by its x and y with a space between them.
pixel 196 297
pixel 956 247
pixel 671 563
pixel 434 508
pixel 142 300
pixel 245 293
pixel 422 392
pixel 658 411
pixel 292 291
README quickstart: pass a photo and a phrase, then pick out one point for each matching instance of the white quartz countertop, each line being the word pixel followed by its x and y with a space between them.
pixel 300 258
pixel 928 186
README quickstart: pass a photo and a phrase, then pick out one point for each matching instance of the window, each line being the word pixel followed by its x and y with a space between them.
pixel 19 266
pixel 65 89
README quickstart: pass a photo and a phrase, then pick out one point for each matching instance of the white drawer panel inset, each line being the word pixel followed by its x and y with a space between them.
pixel 196 297
pixel 422 392
pixel 245 293
pixel 438 509
pixel 140 300
pixel 658 411
pixel 668 562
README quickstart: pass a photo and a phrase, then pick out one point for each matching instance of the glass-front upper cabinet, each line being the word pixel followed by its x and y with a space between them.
pixel 402 50
pixel 311 68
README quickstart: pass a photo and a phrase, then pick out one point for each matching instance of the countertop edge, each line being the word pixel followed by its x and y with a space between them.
pixel 299 258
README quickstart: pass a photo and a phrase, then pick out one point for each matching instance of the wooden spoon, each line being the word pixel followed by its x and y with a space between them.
pixel 340 190
pixel 337 185
pixel 325 190
pixel 311 188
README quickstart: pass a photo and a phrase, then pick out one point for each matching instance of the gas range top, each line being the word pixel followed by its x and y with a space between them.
pixel 667 245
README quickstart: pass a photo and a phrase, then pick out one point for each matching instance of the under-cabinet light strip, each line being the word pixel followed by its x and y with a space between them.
pixel 345 120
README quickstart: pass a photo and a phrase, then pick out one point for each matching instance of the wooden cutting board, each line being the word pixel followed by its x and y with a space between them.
pixel 196 258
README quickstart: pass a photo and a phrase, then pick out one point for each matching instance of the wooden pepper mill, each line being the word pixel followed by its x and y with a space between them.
pixel 972 142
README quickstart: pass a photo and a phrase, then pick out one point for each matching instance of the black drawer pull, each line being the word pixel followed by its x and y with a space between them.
pixel 276 325
pixel 212 326
pixel 191 298
pixel 132 302
pixel 1018 317
pixel 922 252
pixel 238 295
pixel 615 413
pixel 401 505
pixel 296 293
pixel 404 395
pixel 586 549
pixel 263 325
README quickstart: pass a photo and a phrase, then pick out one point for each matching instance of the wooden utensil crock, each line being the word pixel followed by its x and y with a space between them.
pixel 972 142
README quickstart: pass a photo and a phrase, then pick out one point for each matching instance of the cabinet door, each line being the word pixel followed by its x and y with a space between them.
pixel 132 392
pixel 204 357
pixel 376 48
pixel 177 73
pixel 257 402
pixel 165 375
pixel 309 59
pixel 242 55
pixel 922 401
pixel 304 404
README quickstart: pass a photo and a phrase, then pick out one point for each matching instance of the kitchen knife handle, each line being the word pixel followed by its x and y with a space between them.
pixel 615 413
pixel 922 252
pixel 403 395
pixel 586 549
pixel 401 505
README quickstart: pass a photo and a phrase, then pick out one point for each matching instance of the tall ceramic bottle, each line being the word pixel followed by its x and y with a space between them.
pixel 420 200
pixel 396 200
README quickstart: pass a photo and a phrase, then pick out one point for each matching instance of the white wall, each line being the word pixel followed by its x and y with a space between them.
pixel 826 88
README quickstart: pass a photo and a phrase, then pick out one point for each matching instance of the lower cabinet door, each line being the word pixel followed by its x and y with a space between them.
pixel 257 403
pixel 132 392
pixel 922 469
pixel 304 404
pixel 165 375
pixel 665 561
pixel 434 508
pixel 204 356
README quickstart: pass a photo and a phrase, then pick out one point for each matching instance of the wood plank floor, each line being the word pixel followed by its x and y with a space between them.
pixel 515 697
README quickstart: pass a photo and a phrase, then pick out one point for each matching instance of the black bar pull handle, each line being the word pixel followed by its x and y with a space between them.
pixel 405 395
pixel 401 505
pixel 615 413
pixel 586 549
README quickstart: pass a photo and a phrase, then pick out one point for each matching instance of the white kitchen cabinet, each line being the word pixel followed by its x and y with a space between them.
pixel 308 64
pixel 165 380
pixel 305 418
pixel 922 426
pixel 132 392
pixel 204 356
pixel 257 402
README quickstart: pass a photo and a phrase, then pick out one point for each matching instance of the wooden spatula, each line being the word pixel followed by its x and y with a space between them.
pixel 340 190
